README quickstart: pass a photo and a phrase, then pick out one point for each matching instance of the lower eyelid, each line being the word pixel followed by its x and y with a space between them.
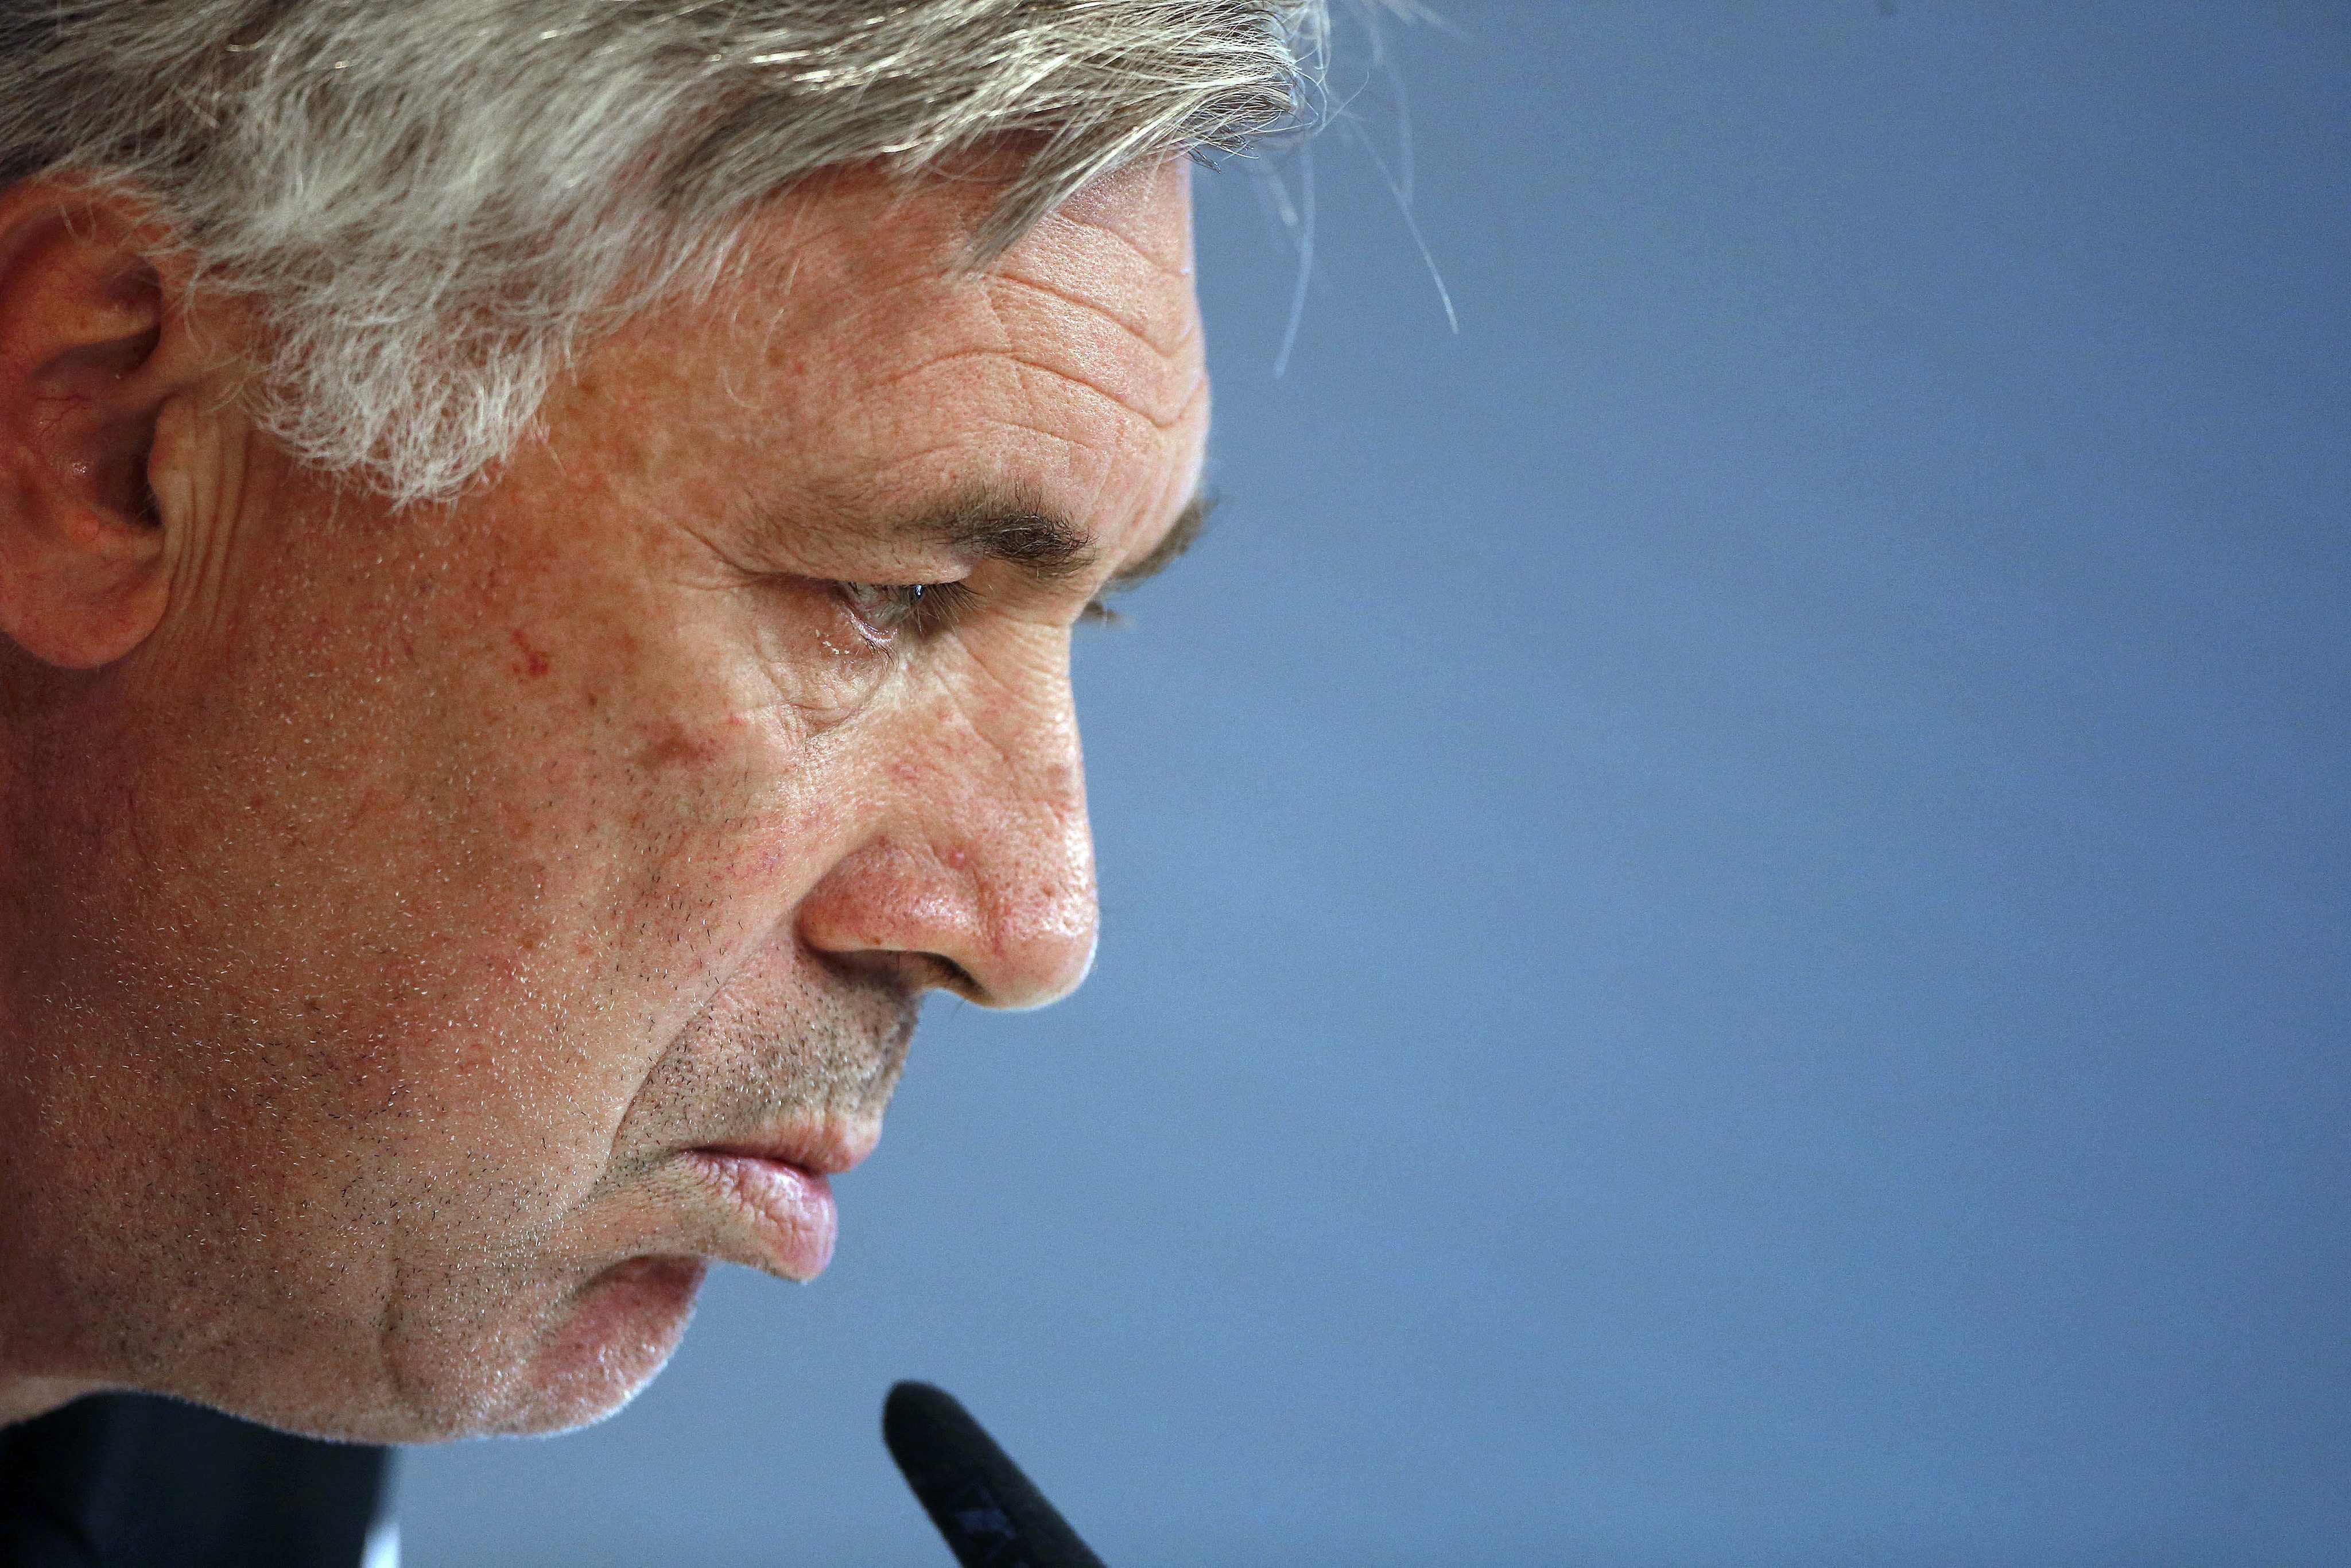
pixel 874 633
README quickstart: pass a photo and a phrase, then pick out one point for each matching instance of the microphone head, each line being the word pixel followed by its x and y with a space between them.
pixel 990 1514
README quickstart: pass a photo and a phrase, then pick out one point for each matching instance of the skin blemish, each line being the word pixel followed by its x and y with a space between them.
pixel 533 663
pixel 675 746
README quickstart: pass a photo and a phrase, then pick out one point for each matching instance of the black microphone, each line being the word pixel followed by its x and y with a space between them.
pixel 990 1514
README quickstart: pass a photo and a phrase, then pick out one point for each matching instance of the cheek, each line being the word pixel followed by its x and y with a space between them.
pixel 641 843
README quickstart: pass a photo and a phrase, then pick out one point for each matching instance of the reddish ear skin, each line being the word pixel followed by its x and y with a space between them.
pixel 90 350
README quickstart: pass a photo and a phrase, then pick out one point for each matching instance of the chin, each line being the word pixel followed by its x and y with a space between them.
pixel 565 1364
pixel 626 1325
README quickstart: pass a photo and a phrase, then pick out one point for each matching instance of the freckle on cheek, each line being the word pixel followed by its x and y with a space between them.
pixel 673 745
pixel 532 661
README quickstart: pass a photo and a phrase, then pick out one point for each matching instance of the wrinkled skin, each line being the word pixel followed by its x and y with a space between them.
pixel 392 897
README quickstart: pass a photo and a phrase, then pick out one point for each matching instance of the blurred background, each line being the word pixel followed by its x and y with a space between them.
pixel 1726 896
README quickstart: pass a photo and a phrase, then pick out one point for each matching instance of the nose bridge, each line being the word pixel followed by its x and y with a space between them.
pixel 966 841
pixel 1010 825
pixel 1032 849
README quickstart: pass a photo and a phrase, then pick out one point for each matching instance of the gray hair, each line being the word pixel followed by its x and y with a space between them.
pixel 434 201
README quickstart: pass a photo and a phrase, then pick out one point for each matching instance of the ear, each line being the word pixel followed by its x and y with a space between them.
pixel 93 344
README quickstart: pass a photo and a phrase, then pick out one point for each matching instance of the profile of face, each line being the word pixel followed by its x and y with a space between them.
pixel 433 933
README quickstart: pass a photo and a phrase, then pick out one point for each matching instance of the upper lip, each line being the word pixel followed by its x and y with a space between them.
pixel 825 1148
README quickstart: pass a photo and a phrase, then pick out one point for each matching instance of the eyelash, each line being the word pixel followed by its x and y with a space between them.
pixel 881 610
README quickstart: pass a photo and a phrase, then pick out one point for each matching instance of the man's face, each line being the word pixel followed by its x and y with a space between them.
pixel 451 926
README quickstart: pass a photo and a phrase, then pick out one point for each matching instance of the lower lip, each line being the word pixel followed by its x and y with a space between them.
pixel 791 1209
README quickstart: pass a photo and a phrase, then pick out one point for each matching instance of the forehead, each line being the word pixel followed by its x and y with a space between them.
pixel 855 363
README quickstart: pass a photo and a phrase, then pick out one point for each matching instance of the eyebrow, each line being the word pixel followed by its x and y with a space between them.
pixel 1189 523
pixel 1014 529
pixel 1020 532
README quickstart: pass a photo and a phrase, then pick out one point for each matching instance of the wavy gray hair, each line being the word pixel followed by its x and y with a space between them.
pixel 432 201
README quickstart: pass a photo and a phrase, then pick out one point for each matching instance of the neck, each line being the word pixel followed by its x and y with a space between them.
pixel 29 1383
pixel 22 1398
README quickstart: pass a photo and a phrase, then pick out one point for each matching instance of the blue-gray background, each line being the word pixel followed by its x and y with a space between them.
pixel 1726 897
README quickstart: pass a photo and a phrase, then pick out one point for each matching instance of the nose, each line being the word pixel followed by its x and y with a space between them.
pixel 977 871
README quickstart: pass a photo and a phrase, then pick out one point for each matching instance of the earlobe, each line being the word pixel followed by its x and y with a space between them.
pixel 91 354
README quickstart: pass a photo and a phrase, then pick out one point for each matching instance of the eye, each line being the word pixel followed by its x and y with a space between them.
pixel 883 609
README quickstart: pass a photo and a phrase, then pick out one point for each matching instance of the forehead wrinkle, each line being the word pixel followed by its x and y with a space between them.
pixel 1161 422
pixel 1182 338
pixel 1079 449
pixel 1109 207
pixel 1071 438
pixel 1160 264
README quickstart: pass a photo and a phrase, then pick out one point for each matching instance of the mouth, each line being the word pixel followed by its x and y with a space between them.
pixel 779 1184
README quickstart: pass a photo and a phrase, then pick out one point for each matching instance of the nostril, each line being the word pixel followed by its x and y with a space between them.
pixel 953 976
pixel 915 973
